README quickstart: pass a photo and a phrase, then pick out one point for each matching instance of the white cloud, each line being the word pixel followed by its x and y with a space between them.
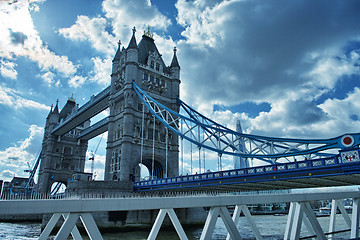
pixel 13 160
pixel 328 69
pixel 203 21
pixel 18 37
pixel 12 98
pixel 76 81
pixel 344 115
pixel 101 71
pixel 49 79
pixel 137 13
pixel 251 51
pixel 92 30
pixel 7 69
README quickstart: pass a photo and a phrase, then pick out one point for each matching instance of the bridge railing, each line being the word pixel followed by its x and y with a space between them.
pixel 95 98
pixel 130 195
pixel 278 168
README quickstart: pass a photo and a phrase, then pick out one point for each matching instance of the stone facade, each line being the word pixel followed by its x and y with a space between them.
pixel 134 135
pixel 62 156
pixel 144 65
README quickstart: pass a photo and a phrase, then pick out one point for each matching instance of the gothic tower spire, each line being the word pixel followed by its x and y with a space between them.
pixel 132 43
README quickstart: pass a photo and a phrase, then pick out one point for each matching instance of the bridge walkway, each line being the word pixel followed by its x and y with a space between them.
pixel 72 208
pixel 93 107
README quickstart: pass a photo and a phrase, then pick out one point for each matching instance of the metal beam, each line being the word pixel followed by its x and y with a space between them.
pixel 160 219
pixel 34 206
pixel 90 226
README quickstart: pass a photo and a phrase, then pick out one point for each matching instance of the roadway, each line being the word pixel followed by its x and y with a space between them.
pixel 305 174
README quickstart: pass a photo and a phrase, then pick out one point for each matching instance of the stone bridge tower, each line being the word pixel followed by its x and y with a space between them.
pixel 128 142
pixel 62 156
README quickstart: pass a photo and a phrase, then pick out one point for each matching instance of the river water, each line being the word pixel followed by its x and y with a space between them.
pixel 271 228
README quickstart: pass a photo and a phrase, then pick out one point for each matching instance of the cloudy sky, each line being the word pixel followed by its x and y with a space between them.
pixel 285 68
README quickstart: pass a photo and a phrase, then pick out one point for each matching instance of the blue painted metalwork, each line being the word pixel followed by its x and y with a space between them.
pixel 30 182
pixel 222 140
pixel 337 165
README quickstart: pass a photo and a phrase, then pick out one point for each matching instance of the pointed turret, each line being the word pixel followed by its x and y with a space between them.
pixel 132 43
pixel 68 108
pixel 56 109
pixel 132 51
pixel 174 62
pixel 174 66
pixel 53 116
pixel 50 112
pixel 118 52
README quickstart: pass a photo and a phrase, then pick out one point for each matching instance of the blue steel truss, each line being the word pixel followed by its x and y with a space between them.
pixel 206 133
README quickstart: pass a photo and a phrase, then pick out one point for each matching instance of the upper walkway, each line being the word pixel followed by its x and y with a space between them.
pixel 93 107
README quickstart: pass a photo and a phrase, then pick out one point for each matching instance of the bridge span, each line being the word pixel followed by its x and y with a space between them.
pixel 72 208
pixel 340 170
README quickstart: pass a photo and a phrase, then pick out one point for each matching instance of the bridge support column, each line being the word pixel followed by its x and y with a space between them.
pixel 295 219
pixel 51 224
pixel 355 218
pixel 211 221
pixel 69 226
pixel 250 220
pixel 335 204
pixel 159 220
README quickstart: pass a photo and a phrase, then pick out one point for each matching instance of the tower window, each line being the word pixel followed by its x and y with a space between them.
pixel 152 64
pixel 150 134
pixel 151 78
pixel 146 76
pixel 157 66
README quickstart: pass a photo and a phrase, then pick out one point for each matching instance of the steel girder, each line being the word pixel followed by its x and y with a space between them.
pixel 206 133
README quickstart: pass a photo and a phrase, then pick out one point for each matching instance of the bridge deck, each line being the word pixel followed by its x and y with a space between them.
pixel 89 203
pixel 323 172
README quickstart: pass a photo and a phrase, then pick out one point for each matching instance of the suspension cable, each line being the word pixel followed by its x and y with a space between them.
pixel 166 150
pixel 218 139
pixel 220 161
pixel 204 159
pixel 142 138
pixel 199 147
pixel 153 153
pixel 191 160
pixel 182 148
pixel 200 160
pixel 203 135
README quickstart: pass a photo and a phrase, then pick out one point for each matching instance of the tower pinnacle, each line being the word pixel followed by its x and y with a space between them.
pixel 132 43
pixel 148 33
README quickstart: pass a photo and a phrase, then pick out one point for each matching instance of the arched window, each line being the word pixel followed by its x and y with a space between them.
pixel 152 64
pixel 157 66
pixel 67 151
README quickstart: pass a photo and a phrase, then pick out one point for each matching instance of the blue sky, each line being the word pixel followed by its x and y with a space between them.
pixel 285 68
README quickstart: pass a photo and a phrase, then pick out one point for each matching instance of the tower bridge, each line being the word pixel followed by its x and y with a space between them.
pixel 148 123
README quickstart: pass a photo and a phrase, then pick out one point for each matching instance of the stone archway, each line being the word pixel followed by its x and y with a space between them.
pixel 57 187
pixel 159 170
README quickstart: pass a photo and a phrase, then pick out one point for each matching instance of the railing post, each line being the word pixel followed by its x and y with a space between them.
pixel 355 218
